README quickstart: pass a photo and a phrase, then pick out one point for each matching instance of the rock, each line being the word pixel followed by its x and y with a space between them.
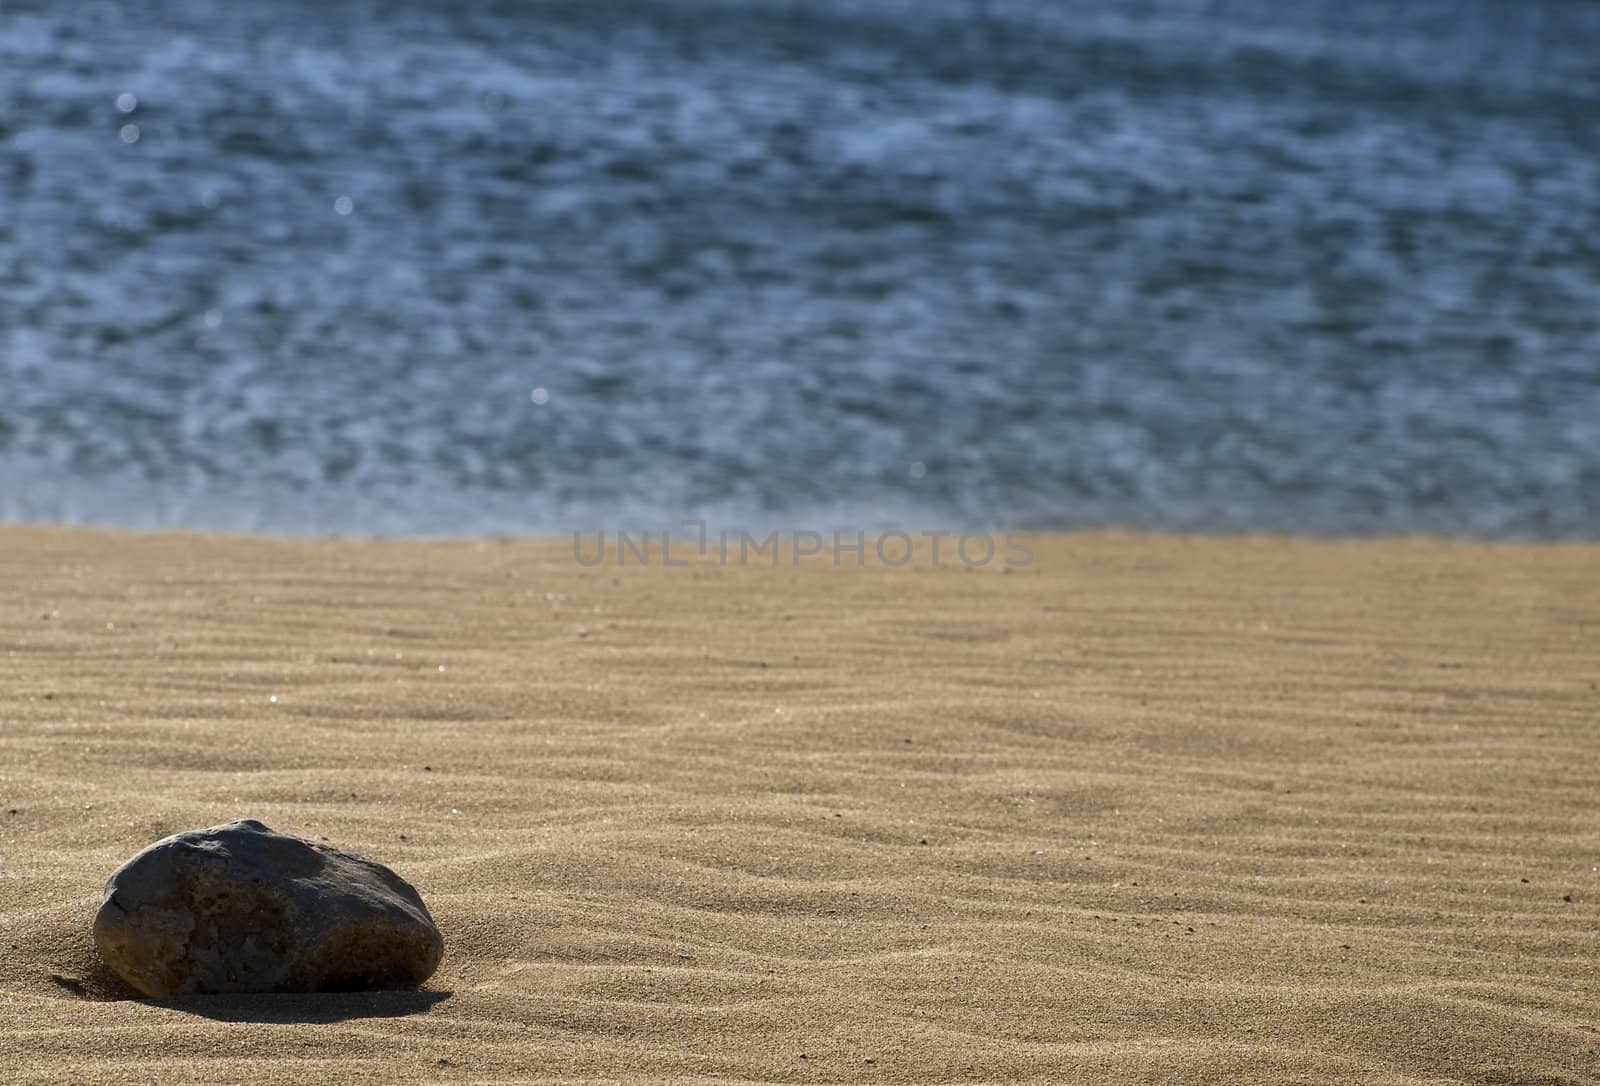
pixel 241 908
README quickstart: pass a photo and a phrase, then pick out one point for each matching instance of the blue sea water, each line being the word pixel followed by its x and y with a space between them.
pixel 430 268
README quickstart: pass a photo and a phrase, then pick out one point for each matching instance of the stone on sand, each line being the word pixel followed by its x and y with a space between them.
pixel 242 908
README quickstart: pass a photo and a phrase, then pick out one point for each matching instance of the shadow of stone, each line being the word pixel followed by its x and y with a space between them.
pixel 82 975
pixel 304 1007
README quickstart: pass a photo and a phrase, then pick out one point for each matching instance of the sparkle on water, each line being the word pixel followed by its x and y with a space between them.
pixel 1243 266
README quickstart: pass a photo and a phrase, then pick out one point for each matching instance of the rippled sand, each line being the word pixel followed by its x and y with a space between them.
pixel 1148 810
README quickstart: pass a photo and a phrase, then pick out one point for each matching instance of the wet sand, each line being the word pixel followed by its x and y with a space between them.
pixel 1149 809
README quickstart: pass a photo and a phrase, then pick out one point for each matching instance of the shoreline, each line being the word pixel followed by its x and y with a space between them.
pixel 1176 807
pixel 732 530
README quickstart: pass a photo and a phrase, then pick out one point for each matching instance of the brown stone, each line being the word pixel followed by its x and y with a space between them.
pixel 241 908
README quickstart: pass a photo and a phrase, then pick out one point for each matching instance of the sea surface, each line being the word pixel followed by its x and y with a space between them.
pixel 446 268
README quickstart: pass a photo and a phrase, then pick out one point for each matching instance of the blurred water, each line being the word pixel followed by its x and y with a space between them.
pixel 1326 267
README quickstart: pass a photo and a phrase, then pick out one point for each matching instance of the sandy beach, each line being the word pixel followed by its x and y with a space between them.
pixel 1148 809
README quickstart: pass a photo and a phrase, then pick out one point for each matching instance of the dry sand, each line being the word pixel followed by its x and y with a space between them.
pixel 1148 810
